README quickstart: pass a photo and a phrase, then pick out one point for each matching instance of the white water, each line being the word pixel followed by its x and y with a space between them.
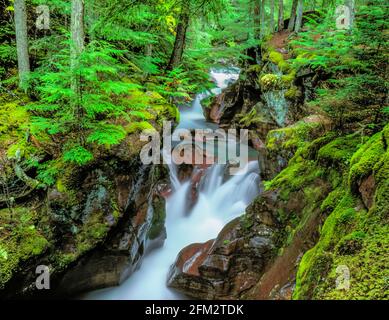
pixel 220 200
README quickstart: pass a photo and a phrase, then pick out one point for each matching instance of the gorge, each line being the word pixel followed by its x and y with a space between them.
pixel 305 218
pixel 219 200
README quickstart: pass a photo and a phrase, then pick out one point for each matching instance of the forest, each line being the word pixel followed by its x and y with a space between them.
pixel 82 80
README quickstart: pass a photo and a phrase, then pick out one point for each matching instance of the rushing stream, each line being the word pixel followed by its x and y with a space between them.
pixel 220 200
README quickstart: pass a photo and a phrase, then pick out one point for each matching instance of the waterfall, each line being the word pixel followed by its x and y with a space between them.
pixel 221 198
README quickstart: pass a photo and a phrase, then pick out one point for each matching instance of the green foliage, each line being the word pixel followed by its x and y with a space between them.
pixel 175 84
pixel 78 155
pixel 364 160
pixel 297 175
pixel 120 86
pixel 19 241
pixel 292 137
pixel 7 43
pixel 355 62
pixel 249 119
pixel 340 150
pixel 352 236
pixel 88 116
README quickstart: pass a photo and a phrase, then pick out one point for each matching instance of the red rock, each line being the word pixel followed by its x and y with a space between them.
pixel 191 257
pixel 367 190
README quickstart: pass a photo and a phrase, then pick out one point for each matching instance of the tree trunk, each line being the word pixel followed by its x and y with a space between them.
pixel 262 19
pixel 179 43
pixel 257 19
pixel 280 15
pixel 77 32
pixel 272 10
pixel 351 5
pixel 21 41
pixel 299 18
pixel 292 19
pixel 76 48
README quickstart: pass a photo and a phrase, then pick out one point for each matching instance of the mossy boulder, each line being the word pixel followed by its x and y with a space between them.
pixel 353 237
pixel 339 151
pixel 269 82
pixel 21 241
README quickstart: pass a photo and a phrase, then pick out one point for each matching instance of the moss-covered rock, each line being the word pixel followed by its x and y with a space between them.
pixel 340 150
pixel 293 93
pixel 278 59
pixel 364 160
pixel 353 238
pixel 20 240
pixel 74 211
pixel 269 82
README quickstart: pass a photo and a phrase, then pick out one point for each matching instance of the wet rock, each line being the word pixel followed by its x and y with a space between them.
pixel 226 267
pixel 235 99
pixel 141 229
pixel 244 261
pixel 367 190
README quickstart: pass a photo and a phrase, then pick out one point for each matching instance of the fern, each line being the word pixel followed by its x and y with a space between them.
pixel 78 155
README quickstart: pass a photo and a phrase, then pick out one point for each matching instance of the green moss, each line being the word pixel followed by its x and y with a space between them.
pixel 381 203
pixel 278 59
pixel 285 67
pixel 313 196
pixel 12 117
pixel 138 127
pixel 256 68
pixel 306 281
pixel 298 174
pixel 20 241
pixel 364 160
pixel 365 254
pixel 317 261
pixel 292 137
pixel 288 79
pixel 246 221
pixel 293 93
pixel 350 243
pixel 269 81
pixel 92 232
pixel 62 261
pixel 340 150
pixel 352 237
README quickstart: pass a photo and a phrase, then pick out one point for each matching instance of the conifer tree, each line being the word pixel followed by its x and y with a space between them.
pixel 292 19
pixel 299 15
pixel 76 49
pixel 280 15
pixel 263 19
pixel 272 12
pixel 22 41
pixel 180 40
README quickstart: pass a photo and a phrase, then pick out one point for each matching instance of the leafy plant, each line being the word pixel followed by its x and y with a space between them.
pixel 89 117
